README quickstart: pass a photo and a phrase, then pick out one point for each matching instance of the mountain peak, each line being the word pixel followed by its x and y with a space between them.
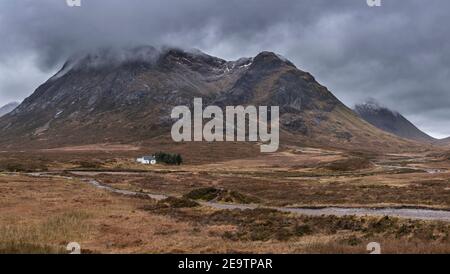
pixel 111 58
pixel 374 106
pixel 108 58
pixel 8 108
pixel 390 121
pixel 271 59
pixel 114 56
pixel 191 56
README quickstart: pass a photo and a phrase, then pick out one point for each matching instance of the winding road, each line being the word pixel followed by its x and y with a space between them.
pixel 408 213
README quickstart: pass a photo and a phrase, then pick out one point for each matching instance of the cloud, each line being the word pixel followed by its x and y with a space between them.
pixel 19 77
pixel 398 54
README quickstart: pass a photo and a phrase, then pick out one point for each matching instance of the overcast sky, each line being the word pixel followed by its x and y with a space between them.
pixel 398 54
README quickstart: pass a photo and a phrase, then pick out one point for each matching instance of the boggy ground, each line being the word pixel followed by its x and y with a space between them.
pixel 43 214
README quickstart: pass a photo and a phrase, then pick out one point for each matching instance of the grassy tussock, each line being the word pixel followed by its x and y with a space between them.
pixel 220 195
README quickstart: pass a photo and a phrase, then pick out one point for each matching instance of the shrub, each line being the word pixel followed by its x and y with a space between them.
pixel 301 230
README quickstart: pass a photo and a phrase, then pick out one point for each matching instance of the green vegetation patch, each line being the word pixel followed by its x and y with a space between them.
pixel 169 158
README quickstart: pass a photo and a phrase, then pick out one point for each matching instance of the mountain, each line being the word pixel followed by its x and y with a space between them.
pixel 391 121
pixel 8 108
pixel 126 96
pixel 444 142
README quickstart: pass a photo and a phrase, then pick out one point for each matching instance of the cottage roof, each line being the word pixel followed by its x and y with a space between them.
pixel 149 158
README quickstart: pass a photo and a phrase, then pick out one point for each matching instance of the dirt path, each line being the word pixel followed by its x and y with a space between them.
pixel 408 213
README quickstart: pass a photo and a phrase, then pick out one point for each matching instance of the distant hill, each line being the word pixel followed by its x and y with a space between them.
pixel 391 121
pixel 127 97
pixel 444 142
pixel 8 108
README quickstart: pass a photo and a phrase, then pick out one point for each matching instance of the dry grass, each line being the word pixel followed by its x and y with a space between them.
pixel 41 215
pixel 267 224
pixel 50 210
pixel 391 246
pixel 37 238
pixel 283 186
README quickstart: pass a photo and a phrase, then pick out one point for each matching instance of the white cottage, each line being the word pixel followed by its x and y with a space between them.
pixel 147 160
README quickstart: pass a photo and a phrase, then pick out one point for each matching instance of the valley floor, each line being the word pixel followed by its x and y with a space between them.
pixel 46 203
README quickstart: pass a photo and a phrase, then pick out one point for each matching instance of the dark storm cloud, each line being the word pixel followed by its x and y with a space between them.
pixel 398 54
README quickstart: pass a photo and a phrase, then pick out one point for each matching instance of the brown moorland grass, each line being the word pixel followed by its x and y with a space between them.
pixel 290 188
pixel 306 177
pixel 41 215
pixel 268 224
